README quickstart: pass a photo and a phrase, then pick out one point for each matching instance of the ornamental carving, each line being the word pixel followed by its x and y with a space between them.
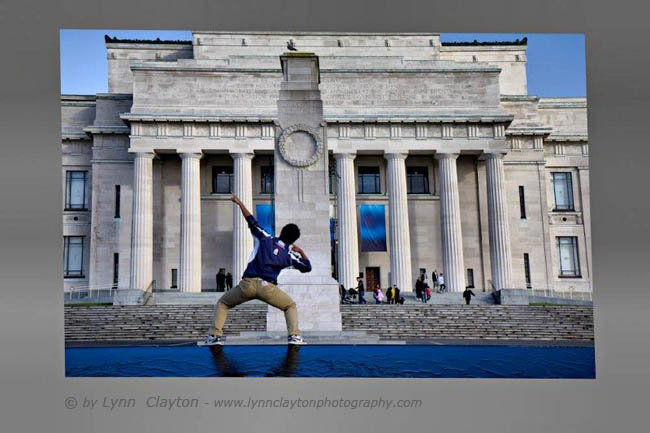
pixel 300 145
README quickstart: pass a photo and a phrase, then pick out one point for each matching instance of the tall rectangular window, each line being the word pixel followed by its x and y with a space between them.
pixel 116 269
pixel 332 177
pixel 76 186
pixel 174 284
pixel 222 180
pixel 562 191
pixel 267 179
pixel 73 256
pixel 522 203
pixel 527 271
pixel 470 278
pixel 368 180
pixel 117 200
pixel 417 180
pixel 567 247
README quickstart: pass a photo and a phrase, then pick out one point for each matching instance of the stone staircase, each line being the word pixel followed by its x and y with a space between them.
pixel 155 322
pixel 385 323
pixel 473 322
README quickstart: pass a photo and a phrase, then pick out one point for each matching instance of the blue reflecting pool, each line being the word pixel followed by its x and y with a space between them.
pixel 333 361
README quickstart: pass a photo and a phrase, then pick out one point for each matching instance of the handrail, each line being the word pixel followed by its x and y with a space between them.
pixel 148 292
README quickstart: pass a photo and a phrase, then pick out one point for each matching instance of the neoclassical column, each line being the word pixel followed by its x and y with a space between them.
pixel 242 244
pixel 400 243
pixel 142 220
pixel 190 266
pixel 500 255
pixel 453 264
pixel 346 213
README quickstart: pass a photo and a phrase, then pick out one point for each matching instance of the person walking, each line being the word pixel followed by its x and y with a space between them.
pixel 420 289
pixel 362 291
pixel 434 278
pixel 389 295
pixel 441 283
pixel 467 294
pixel 228 281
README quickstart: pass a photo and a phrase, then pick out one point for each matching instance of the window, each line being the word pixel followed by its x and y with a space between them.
pixel 73 256
pixel 222 180
pixel 527 270
pixel 470 278
pixel 522 203
pixel 417 180
pixel 174 279
pixel 267 179
pixel 116 269
pixel 117 201
pixel 332 177
pixel 562 191
pixel 567 247
pixel 369 180
pixel 76 184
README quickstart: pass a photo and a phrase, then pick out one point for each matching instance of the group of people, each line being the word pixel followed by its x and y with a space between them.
pixel 224 281
pixel 392 296
pixel 358 295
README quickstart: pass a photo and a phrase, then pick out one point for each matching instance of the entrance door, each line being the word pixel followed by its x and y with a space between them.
pixel 372 278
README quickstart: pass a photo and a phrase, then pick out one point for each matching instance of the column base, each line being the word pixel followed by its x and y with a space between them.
pixel 128 297
pixel 317 299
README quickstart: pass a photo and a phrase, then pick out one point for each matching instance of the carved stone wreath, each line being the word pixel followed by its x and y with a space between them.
pixel 300 145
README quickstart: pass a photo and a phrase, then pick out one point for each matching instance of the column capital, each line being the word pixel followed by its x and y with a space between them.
pixel 494 154
pixel 344 155
pixel 439 155
pixel 240 155
pixel 196 155
pixel 148 155
pixel 393 155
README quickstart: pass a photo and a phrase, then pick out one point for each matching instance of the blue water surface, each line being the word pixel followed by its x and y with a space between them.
pixel 333 361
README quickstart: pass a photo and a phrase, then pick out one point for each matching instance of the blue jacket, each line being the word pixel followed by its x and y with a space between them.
pixel 270 255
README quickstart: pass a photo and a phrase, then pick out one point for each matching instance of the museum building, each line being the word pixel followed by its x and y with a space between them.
pixel 439 159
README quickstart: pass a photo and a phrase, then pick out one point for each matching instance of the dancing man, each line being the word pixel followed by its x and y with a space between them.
pixel 270 255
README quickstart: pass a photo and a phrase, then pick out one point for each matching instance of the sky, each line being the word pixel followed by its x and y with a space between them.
pixel 556 62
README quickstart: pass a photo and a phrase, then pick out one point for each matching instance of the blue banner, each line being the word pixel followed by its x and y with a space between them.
pixel 266 217
pixel 373 227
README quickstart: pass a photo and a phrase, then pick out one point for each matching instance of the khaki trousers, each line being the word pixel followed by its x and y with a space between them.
pixel 252 288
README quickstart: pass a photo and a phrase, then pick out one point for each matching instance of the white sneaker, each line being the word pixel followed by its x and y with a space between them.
pixel 212 340
pixel 295 339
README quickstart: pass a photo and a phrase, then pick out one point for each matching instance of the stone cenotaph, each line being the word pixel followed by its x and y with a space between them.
pixel 302 196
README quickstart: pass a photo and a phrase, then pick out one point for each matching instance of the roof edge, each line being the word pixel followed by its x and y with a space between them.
pixel 476 43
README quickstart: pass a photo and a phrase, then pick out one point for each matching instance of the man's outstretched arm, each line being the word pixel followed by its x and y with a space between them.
pixel 253 225
pixel 241 205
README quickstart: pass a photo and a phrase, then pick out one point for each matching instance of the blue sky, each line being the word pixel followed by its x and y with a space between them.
pixel 556 62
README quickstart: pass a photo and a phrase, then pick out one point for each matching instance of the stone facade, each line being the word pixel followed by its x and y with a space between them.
pixel 390 101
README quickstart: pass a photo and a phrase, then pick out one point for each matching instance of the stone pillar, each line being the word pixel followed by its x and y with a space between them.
pixel 583 178
pixel 346 213
pixel 242 240
pixel 453 263
pixel 142 231
pixel 500 255
pixel 190 266
pixel 400 243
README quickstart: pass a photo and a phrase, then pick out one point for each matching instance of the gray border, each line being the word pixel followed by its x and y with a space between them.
pixel 32 383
